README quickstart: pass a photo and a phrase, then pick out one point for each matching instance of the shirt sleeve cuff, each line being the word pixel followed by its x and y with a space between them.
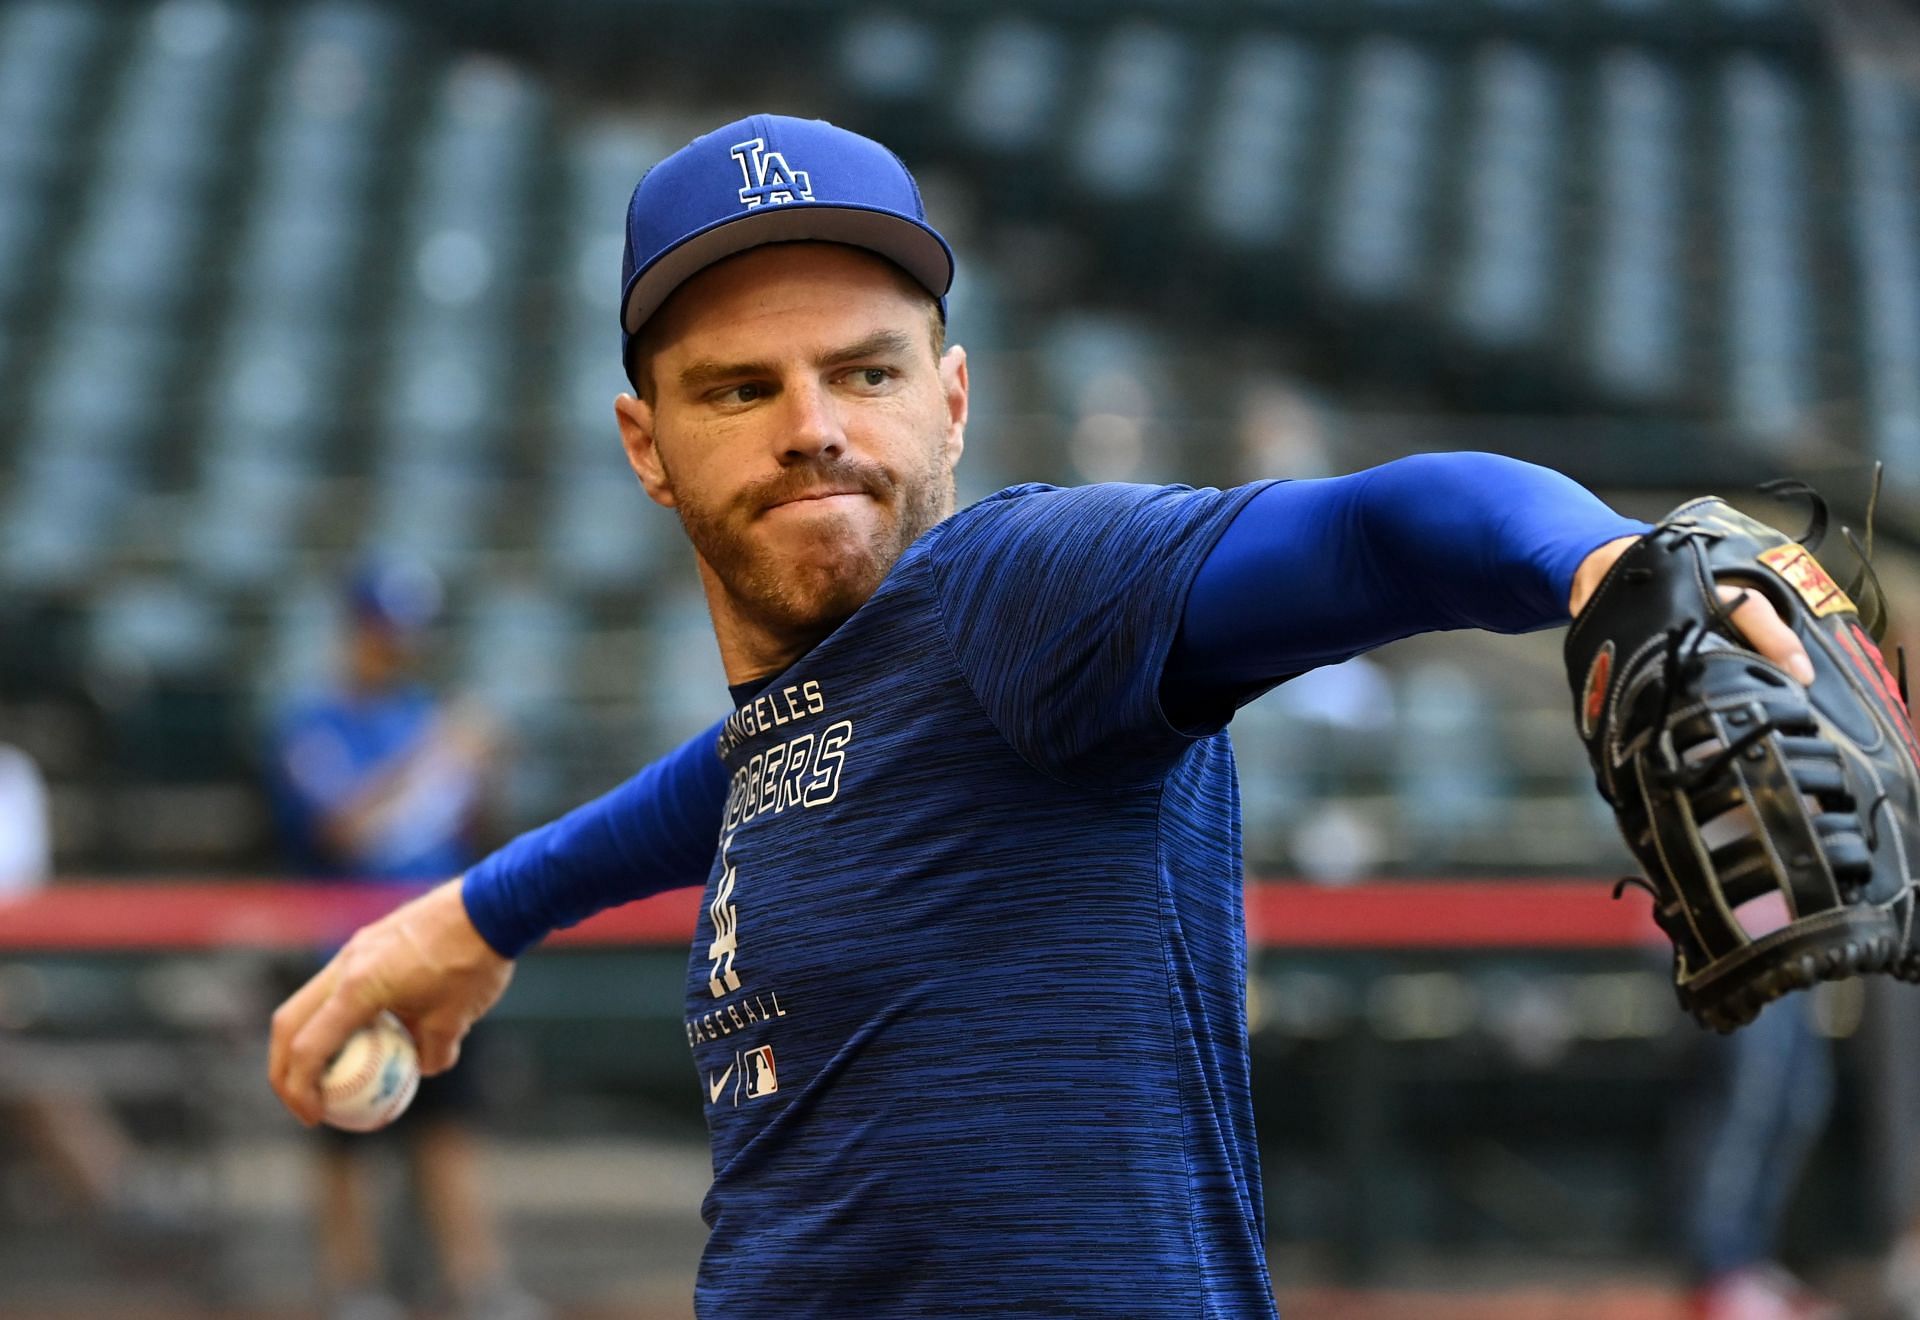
pixel 1566 557
pixel 486 891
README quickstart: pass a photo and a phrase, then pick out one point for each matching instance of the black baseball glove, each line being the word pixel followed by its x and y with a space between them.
pixel 1749 799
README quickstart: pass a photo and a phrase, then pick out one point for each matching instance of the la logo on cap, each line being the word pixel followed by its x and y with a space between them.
pixel 768 177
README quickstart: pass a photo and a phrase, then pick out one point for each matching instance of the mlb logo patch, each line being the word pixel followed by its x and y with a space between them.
pixel 761 1079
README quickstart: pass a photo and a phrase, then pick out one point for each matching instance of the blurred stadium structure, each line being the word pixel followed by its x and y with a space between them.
pixel 282 283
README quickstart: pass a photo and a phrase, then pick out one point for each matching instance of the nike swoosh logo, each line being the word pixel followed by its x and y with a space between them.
pixel 715 1088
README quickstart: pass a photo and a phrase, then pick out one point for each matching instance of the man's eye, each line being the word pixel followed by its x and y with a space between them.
pixel 742 394
pixel 871 377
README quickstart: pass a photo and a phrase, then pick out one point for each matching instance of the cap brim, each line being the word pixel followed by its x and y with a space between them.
pixel 912 246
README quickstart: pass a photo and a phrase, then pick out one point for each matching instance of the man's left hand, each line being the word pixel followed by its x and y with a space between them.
pixel 1754 615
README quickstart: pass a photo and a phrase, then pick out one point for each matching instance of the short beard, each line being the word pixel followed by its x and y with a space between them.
pixel 811 599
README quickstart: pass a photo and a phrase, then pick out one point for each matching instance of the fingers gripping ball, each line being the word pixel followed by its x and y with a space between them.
pixel 371 1081
pixel 1733 783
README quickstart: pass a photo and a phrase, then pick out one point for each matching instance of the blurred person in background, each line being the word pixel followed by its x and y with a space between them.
pixel 379 780
pixel 55 1113
pixel 26 849
pixel 1757 1103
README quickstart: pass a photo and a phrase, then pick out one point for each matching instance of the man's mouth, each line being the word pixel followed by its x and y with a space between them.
pixel 817 498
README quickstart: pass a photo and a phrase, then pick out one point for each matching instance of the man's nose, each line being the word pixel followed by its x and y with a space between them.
pixel 813 427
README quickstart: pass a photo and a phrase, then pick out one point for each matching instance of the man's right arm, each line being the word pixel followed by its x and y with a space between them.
pixel 444 959
pixel 655 832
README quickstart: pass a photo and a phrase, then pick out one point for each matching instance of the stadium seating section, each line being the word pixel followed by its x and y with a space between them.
pixel 284 284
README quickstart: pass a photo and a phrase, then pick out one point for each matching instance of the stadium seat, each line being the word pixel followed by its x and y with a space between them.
pixel 44 46
pixel 1253 185
pixel 158 657
pixel 1513 197
pixel 1637 292
pixel 136 255
pixel 375 36
pixel 518 651
pixel 976 321
pixel 23 224
pixel 474 157
pixel 317 159
pixel 1886 220
pixel 604 159
pixel 601 532
pixel 1380 208
pixel 1130 139
pixel 438 512
pixel 1105 371
pixel 516 664
pixel 273 388
pixel 1770 316
pixel 306 616
pixel 1276 753
pixel 586 378
pixel 1012 83
pixel 149 628
pixel 1449 767
pixel 174 93
pixel 891 57
pixel 319 145
pixel 683 687
pixel 299 264
pixel 243 525
pixel 56 527
pixel 445 395
pixel 99 386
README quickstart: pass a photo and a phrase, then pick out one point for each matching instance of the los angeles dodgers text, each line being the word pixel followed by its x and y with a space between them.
pixel 804 771
pixel 770 710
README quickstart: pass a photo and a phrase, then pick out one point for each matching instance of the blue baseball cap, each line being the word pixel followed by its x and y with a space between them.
pixel 771 179
pixel 400 595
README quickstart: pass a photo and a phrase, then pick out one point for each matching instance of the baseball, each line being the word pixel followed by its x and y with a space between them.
pixel 372 1079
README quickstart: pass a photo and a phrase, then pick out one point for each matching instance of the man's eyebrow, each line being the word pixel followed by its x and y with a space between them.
pixel 697 376
pixel 884 343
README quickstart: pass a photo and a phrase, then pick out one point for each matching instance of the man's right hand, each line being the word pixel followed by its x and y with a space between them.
pixel 424 961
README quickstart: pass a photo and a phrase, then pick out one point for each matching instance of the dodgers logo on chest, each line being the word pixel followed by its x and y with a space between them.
pixel 781 755
pixel 742 1007
pixel 787 754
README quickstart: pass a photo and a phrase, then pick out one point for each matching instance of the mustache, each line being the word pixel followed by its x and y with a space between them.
pixel 806 478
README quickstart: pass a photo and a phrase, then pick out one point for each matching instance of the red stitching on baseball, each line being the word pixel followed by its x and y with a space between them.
pixel 341 1090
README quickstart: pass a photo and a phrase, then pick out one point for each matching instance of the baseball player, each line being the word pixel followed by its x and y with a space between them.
pixel 966 997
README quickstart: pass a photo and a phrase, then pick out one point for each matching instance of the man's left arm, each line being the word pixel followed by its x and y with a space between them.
pixel 1310 573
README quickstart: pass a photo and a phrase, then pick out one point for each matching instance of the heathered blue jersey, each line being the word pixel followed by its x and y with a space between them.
pixel 967 995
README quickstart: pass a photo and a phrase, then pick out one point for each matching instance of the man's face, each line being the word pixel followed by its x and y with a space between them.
pixel 801 425
pixel 378 654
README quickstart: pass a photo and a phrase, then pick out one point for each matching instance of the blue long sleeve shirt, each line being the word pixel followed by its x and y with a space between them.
pixel 1307 573
pixel 966 992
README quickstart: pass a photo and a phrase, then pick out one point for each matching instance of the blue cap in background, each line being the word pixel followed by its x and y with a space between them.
pixel 401 595
pixel 771 179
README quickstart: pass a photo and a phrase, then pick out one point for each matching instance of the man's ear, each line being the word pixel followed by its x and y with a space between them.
pixel 953 384
pixel 635 417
